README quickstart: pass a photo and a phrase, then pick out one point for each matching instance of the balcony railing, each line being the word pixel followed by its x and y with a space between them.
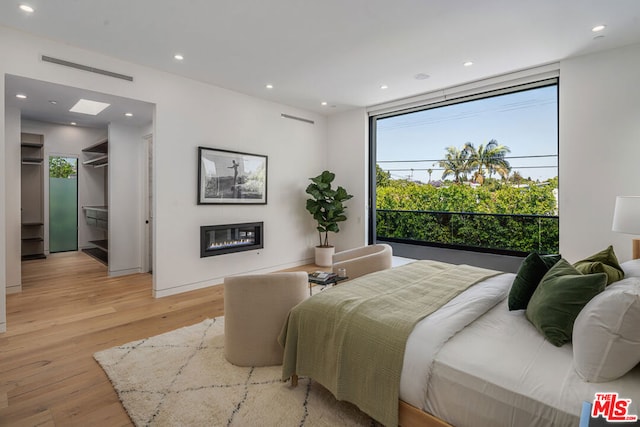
pixel 498 233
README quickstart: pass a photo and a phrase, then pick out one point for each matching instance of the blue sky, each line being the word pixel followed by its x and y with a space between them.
pixel 526 122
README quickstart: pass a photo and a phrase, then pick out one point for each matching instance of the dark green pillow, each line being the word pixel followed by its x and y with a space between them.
pixel 603 262
pixel 557 301
pixel 531 271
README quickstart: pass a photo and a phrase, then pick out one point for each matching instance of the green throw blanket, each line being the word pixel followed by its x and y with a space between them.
pixel 351 338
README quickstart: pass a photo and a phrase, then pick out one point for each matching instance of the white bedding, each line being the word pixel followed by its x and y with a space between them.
pixel 433 331
pixel 497 370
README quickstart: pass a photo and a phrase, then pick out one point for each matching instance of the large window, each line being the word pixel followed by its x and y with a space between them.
pixel 478 173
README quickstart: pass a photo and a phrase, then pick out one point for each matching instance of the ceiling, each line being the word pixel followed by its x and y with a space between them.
pixel 336 51
pixel 49 102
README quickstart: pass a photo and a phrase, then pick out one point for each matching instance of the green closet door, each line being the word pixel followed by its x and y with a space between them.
pixel 63 204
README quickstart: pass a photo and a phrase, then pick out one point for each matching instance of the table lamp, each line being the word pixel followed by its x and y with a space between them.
pixel 626 219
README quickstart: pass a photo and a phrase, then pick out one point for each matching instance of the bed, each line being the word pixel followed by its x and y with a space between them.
pixel 471 362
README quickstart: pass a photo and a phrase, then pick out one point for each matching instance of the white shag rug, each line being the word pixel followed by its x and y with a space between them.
pixel 181 378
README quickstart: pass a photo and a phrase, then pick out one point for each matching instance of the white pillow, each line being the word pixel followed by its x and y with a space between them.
pixel 606 333
pixel 631 268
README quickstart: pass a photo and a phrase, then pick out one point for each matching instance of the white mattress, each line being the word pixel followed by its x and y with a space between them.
pixel 431 333
pixel 500 371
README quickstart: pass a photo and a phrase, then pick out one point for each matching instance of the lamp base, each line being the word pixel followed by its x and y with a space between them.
pixel 635 248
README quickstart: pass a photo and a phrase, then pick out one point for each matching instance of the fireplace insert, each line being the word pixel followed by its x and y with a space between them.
pixel 229 238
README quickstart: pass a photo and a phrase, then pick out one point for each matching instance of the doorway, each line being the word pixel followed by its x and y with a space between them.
pixel 63 204
pixel 65 135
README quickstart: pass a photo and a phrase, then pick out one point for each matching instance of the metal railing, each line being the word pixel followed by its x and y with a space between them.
pixel 500 233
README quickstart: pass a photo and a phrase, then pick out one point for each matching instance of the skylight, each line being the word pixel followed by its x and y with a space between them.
pixel 86 106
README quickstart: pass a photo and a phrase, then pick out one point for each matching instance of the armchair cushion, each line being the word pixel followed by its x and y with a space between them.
pixel 363 260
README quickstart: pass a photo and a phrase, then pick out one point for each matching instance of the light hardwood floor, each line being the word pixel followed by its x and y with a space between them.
pixel 68 310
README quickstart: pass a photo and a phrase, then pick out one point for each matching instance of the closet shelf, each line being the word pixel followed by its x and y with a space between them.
pixel 99 147
pixel 97 161
pixel 31 145
pixel 29 257
pixel 102 244
pixel 32 161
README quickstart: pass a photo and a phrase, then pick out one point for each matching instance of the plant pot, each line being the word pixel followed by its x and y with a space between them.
pixel 324 256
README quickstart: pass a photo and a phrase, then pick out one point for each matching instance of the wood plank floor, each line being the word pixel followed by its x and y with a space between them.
pixel 68 310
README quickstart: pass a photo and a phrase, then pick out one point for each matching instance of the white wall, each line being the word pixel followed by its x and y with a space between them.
pixel 295 152
pixel 13 167
pixel 599 148
pixel 348 153
pixel 191 114
pixel 125 199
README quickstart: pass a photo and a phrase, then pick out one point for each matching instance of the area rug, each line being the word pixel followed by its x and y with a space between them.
pixel 181 378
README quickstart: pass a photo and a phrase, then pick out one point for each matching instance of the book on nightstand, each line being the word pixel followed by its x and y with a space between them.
pixel 321 277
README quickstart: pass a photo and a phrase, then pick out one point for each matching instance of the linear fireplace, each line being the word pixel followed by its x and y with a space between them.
pixel 225 239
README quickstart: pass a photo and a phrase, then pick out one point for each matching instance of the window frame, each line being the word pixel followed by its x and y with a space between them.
pixel 429 102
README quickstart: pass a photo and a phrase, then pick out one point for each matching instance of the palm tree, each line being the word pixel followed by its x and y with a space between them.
pixel 456 163
pixel 489 159
pixel 429 171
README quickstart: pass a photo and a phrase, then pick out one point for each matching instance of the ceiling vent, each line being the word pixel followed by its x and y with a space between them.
pixel 288 116
pixel 86 68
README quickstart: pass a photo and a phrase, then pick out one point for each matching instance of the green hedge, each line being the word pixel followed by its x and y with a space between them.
pixel 496 216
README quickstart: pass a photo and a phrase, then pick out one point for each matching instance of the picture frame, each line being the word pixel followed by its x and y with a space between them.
pixel 231 177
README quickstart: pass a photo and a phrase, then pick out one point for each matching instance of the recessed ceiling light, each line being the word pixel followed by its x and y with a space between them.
pixel 383 87
pixel 54 102
pixel 26 8
pixel 73 124
pixel 178 57
pixel 269 86
pixel 468 64
pixel 128 114
pixel 421 76
pixel 323 103
pixel 86 106
pixel 598 28
pixel 21 96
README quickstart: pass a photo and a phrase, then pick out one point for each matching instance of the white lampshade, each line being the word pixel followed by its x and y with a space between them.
pixel 626 215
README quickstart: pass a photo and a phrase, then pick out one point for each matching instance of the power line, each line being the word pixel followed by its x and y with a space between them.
pixel 441 160
pixel 436 115
pixel 441 169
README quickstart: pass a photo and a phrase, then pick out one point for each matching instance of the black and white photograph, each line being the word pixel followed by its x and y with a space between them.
pixel 229 177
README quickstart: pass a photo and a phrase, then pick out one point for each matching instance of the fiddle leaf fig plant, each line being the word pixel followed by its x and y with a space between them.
pixel 326 205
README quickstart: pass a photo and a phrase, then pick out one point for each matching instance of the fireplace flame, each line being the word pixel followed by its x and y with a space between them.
pixel 230 243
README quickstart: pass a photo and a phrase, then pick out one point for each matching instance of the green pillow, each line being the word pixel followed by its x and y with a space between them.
pixel 603 262
pixel 531 271
pixel 557 301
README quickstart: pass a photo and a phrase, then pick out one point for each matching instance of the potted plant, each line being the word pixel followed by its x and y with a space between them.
pixel 326 206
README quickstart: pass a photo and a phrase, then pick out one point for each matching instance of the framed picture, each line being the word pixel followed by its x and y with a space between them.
pixel 229 177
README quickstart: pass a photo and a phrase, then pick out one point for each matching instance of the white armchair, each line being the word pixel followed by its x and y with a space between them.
pixel 255 309
pixel 363 260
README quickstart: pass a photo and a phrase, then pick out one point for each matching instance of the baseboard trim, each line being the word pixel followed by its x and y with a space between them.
pixel 14 289
pixel 125 272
